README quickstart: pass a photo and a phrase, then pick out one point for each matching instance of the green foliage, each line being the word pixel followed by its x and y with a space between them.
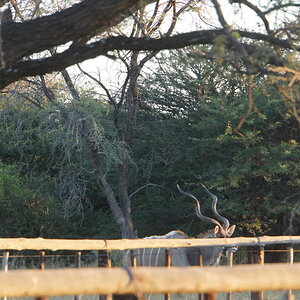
pixel 57 193
pixel 185 133
pixel 24 212
pixel 253 171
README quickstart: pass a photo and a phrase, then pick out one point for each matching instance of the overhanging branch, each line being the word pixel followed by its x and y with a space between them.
pixel 79 22
pixel 82 52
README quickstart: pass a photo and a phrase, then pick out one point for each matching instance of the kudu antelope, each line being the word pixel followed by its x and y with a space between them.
pixel 188 256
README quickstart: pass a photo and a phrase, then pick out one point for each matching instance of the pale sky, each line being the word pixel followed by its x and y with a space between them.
pixel 244 18
pixel 110 70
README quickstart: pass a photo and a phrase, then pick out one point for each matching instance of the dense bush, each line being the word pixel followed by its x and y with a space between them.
pixel 186 132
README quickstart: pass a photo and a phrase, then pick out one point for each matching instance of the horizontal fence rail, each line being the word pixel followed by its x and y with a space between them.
pixel 149 280
pixel 123 244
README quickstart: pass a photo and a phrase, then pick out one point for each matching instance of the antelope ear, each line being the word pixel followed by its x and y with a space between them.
pixel 217 230
pixel 230 230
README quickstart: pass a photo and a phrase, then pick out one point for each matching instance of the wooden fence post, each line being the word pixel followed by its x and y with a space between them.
pixel 133 259
pixel 5 264
pixel 133 264
pixel 257 257
pixel 290 260
pixel 41 266
pixel 104 261
pixel 77 265
pixel 230 263
pixel 211 296
pixel 200 296
pixel 168 264
pixel 42 260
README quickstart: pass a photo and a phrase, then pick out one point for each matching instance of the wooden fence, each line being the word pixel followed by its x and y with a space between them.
pixel 149 280
pixel 141 280
pixel 123 244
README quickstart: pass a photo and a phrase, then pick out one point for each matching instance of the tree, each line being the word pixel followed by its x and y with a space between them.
pixel 91 143
pixel 81 25
pixel 125 106
pixel 202 131
pixel 55 185
pixel 271 50
pixel 184 133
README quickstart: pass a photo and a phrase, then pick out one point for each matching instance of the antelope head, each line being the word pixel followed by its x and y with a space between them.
pixel 220 231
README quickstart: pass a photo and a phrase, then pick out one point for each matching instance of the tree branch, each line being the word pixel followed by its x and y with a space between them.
pixel 235 42
pixel 79 53
pixel 147 185
pixel 258 12
pixel 280 7
pixel 98 81
pixel 79 22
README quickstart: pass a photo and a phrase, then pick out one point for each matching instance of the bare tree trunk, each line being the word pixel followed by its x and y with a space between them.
pixel 126 107
pixel 127 135
pixel 123 220
pixel 122 212
pixel 125 200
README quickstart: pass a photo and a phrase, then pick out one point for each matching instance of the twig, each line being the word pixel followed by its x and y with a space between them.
pixel 147 185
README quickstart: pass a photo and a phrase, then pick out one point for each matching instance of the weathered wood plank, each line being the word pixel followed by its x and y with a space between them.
pixel 122 244
pixel 149 280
